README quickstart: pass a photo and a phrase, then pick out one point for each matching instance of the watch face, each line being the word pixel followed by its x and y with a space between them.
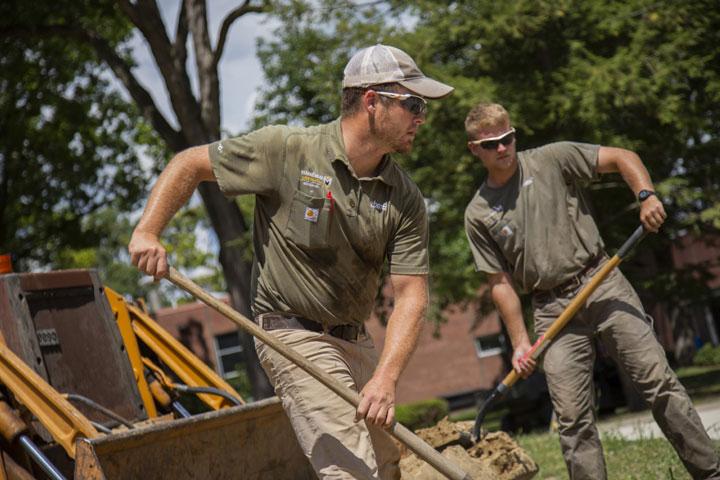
pixel 644 194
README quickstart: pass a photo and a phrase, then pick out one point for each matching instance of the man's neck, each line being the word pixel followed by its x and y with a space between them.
pixel 363 151
pixel 497 179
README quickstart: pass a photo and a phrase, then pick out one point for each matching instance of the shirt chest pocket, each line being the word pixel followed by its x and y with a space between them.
pixel 505 234
pixel 309 221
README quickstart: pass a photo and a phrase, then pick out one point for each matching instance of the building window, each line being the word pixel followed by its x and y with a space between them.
pixel 229 354
pixel 489 345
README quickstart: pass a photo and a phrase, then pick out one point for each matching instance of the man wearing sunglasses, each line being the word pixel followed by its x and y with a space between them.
pixel 530 228
pixel 331 206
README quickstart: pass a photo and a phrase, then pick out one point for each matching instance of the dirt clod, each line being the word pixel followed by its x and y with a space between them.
pixel 494 457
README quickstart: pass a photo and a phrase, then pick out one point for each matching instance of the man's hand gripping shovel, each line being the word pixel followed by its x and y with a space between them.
pixel 413 442
pixel 544 341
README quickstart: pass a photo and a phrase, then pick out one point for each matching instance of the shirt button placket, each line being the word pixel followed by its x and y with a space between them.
pixel 352 203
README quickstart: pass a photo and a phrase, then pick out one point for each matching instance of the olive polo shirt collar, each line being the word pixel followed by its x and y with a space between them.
pixel 337 152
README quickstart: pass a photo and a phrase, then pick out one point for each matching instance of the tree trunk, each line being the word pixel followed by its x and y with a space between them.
pixel 199 121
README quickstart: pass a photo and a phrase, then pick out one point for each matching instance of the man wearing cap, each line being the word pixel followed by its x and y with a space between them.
pixel 529 226
pixel 331 206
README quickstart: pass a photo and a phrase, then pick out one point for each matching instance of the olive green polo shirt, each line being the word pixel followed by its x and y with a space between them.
pixel 537 226
pixel 321 234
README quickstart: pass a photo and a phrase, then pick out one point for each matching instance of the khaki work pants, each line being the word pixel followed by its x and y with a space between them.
pixel 616 317
pixel 337 447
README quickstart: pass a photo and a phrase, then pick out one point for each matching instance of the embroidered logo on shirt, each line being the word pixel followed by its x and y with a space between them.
pixel 527 182
pixel 494 215
pixel 380 207
pixel 506 231
pixel 314 180
pixel 311 214
pixel 220 147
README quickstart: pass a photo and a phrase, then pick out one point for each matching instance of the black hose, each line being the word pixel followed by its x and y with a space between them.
pixel 209 390
pixel 100 427
pixel 99 408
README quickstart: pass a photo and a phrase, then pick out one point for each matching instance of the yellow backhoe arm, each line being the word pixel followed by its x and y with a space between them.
pixel 133 322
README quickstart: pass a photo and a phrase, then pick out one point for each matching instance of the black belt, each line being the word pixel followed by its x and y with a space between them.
pixel 276 321
pixel 576 281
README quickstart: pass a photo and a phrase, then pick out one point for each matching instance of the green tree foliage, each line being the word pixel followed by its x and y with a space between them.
pixel 637 74
pixel 69 153
pixel 634 74
pixel 303 61
pixel 707 355
pixel 64 139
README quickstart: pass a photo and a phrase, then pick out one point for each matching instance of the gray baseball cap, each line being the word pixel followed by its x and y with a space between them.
pixel 385 64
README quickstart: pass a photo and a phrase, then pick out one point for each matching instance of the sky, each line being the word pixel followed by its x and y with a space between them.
pixel 239 69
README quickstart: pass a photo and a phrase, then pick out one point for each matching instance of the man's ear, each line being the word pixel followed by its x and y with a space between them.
pixel 370 100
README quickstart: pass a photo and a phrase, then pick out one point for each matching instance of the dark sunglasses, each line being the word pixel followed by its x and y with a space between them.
pixel 412 103
pixel 492 143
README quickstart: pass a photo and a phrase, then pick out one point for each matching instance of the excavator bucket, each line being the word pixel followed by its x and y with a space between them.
pixel 60 342
pixel 251 441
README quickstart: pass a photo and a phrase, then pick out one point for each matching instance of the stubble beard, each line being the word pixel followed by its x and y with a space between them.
pixel 386 137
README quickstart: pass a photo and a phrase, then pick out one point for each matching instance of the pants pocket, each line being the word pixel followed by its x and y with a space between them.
pixel 309 221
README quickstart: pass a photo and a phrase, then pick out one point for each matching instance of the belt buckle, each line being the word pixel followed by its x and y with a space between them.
pixel 349 333
pixel 577 282
pixel 571 285
pixel 353 332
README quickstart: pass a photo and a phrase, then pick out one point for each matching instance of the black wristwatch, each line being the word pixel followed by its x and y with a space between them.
pixel 645 194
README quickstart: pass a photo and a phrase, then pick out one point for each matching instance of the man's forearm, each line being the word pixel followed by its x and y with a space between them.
pixel 635 174
pixel 402 334
pixel 508 304
pixel 403 331
pixel 377 397
pixel 610 159
pixel 628 164
pixel 172 190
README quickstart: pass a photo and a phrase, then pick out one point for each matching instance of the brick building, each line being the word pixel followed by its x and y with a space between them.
pixel 694 322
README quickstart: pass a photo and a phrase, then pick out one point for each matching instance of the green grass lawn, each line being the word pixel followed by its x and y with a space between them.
pixel 650 459
pixel 628 460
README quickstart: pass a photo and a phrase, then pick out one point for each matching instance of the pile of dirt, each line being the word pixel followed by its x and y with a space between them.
pixel 494 457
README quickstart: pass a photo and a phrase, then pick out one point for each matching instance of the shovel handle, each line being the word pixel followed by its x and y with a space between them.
pixel 630 243
pixel 413 442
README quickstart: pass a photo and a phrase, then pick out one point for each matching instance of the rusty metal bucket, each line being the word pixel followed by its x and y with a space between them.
pixel 253 441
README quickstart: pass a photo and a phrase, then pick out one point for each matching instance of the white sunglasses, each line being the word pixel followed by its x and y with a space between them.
pixel 492 143
pixel 412 103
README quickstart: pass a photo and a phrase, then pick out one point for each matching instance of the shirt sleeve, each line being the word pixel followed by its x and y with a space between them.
pixel 578 161
pixel 486 254
pixel 251 163
pixel 408 249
